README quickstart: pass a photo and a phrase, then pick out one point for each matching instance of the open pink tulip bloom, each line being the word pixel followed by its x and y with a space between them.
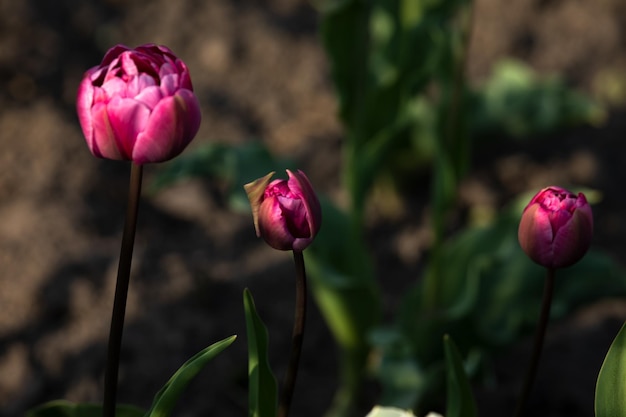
pixel 286 213
pixel 556 227
pixel 138 105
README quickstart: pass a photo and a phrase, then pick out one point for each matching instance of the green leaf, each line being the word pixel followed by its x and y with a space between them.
pixel 262 390
pixel 166 398
pixel 343 285
pixel 611 385
pixel 460 401
pixel 228 166
pixel 62 408
pixel 520 103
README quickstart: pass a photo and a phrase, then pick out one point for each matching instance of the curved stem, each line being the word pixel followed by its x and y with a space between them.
pixel 121 293
pixel 298 334
pixel 539 336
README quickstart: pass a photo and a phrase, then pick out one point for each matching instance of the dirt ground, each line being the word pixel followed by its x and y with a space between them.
pixel 260 74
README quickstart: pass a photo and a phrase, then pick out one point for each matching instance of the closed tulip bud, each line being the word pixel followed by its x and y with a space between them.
pixel 138 105
pixel 286 213
pixel 556 227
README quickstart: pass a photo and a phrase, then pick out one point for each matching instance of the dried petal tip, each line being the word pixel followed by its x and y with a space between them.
pixel 255 190
pixel 287 213
pixel 556 227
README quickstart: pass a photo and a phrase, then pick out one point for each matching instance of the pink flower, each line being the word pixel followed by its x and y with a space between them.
pixel 138 105
pixel 286 213
pixel 556 227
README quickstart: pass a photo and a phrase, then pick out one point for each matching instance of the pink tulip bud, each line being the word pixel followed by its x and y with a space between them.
pixel 556 227
pixel 286 213
pixel 138 105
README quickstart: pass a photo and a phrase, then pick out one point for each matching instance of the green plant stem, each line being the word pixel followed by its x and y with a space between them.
pixel 298 334
pixel 538 346
pixel 121 293
pixel 452 152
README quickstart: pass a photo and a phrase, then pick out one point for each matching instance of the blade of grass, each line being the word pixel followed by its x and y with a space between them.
pixel 165 399
pixel 262 389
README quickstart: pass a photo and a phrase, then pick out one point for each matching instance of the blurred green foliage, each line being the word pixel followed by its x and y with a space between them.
pixel 398 69
pixel 517 102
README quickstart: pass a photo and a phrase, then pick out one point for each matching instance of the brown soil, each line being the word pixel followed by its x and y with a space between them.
pixel 260 72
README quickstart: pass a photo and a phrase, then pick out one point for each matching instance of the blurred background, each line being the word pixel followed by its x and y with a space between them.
pixel 261 74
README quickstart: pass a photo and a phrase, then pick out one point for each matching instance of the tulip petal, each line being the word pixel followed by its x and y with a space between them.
pixel 84 101
pixel 169 84
pixel 573 239
pixel 172 125
pixel 150 96
pixel 102 144
pixel 300 182
pixel 128 119
pixel 115 87
pixel 535 234
pixel 296 216
pixel 272 225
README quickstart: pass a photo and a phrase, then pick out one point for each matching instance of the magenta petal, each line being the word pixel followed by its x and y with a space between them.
pixel 150 96
pixel 272 225
pixel 299 183
pixel 115 87
pixel 169 84
pixel 191 117
pixel 137 84
pixel 128 119
pixel 535 234
pixel 102 143
pixel 573 239
pixel 84 101
pixel 163 136
pixel 296 216
pixel 113 53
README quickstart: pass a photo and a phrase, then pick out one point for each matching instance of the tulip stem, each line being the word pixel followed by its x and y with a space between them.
pixel 298 334
pixel 539 336
pixel 121 293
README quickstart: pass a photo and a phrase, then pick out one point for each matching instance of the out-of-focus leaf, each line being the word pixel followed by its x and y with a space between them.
pixel 403 380
pixel 610 398
pixel 518 102
pixel 62 408
pixel 459 401
pixel 165 399
pixel 231 166
pixel 343 286
pixel 262 389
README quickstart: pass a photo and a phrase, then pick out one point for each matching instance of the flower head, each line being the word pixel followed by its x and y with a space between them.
pixel 556 227
pixel 286 213
pixel 138 105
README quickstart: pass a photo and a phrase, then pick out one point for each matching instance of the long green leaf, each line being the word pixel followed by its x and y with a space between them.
pixel 62 408
pixel 611 385
pixel 460 402
pixel 166 398
pixel 262 390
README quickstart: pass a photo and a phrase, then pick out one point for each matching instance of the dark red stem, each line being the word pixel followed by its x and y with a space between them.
pixel 121 293
pixel 538 346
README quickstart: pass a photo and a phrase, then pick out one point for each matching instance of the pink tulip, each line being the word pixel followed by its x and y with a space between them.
pixel 286 213
pixel 556 227
pixel 138 105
